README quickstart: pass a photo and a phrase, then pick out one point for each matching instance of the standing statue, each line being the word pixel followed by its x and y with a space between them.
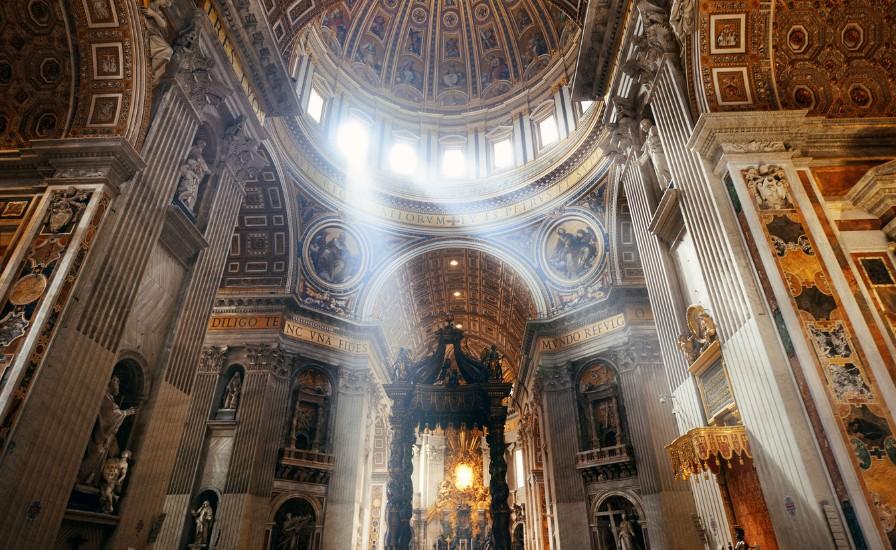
pixel 626 534
pixel 193 169
pixel 657 155
pixel 203 518
pixel 115 470
pixel 292 530
pixel 739 542
pixel 160 50
pixel 102 441
pixel 231 398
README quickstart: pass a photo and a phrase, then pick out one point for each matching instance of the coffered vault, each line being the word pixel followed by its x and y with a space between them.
pixel 487 298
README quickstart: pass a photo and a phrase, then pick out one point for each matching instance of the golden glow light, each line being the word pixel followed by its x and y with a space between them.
pixel 453 263
pixel 463 477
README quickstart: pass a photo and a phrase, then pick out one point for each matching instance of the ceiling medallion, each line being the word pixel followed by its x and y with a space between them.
pixel 572 249
pixel 335 255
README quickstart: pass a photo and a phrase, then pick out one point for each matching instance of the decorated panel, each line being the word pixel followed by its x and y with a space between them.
pixel 864 420
pixel 25 305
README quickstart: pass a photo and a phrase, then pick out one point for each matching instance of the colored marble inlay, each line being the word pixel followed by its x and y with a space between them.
pixel 864 420
pixel 879 275
pixel 26 297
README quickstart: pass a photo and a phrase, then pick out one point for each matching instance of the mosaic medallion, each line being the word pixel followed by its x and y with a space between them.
pixel 335 255
pixel 572 249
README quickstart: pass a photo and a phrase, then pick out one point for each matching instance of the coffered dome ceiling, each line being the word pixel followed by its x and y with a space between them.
pixel 446 54
pixel 485 296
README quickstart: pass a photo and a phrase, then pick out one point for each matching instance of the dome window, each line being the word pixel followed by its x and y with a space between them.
pixel 547 131
pixel 502 154
pixel 315 108
pixel 453 162
pixel 403 158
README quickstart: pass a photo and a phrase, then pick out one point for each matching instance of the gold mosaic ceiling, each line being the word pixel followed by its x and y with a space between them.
pixel 492 305
pixel 447 53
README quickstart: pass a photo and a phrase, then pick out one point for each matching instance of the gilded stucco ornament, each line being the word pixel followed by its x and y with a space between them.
pixel 702 333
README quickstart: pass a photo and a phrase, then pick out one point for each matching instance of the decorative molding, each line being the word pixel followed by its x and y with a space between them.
pixel 876 193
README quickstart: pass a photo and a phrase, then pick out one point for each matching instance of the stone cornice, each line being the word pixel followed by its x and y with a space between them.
pixel 718 135
pixel 110 161
pixel 721 134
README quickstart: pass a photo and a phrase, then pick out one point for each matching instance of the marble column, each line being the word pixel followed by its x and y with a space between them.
pixel 570 519
pixel 245 502
pixel 668 504
pixel 39 470
pixel 189 451
pixel 399 489
pixel 497 484
pixel 344 493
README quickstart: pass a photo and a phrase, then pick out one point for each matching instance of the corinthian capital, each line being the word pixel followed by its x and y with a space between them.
pixel 555 378
pixel 212 358
pixel 354 381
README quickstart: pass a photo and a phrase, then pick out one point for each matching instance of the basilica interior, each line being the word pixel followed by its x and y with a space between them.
pixel 447 274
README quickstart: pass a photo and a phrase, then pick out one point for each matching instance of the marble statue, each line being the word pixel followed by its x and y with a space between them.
pixel 682 18
pixel 160 50
pixel 626 534
pixel 102 440
pixel 231 398
pixel 193 169
pixel 657 154
pixel 203 518
pixel 115 470
pixel 292 531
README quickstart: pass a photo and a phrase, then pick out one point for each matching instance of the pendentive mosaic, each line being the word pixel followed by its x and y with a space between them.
pixel 864 420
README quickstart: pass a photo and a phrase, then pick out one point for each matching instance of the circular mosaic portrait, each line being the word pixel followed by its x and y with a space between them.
pixel 572 249
pixel 335 255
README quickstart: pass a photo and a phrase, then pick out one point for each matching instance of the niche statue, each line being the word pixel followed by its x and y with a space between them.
pixel 231 399
pixel 192 170
pixel 203 518
pixel 102 443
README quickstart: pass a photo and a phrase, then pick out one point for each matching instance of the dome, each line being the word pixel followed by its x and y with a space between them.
pixel 446 55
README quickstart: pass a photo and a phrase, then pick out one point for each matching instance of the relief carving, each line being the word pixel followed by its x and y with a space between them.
pixel 769 184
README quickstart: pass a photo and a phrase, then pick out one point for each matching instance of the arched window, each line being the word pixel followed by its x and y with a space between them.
pixel 616 522
pixel 295 527
pixel 312 396
pixel 599 407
